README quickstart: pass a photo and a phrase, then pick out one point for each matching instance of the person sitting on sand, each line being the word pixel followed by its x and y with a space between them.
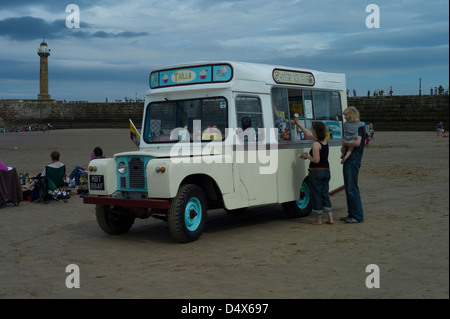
pixel 55 164
pixel 79 173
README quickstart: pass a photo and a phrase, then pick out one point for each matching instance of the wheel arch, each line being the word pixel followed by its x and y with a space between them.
pixel 209 186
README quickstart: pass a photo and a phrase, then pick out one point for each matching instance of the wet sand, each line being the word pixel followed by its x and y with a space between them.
pixel 404 183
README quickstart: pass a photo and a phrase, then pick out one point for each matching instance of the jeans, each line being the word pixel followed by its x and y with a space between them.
pixel 77 172
pixel 351 173
pixel 318 181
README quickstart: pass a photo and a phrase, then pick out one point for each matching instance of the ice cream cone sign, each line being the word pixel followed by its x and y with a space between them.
pixel 221 72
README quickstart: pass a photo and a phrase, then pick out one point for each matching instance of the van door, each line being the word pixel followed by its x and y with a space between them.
pixel 261 188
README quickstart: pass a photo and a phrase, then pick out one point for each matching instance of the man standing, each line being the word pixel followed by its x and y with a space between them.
pixel 351 168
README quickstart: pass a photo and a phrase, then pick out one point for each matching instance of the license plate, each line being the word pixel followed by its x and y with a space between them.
pixel 96 182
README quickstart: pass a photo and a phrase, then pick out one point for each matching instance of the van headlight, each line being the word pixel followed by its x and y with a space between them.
pixel 122 168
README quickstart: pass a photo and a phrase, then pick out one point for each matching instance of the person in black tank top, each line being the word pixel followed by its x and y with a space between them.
pixel 319 171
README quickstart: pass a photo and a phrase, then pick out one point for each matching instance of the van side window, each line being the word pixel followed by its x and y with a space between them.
pixel 280 106
pixel 327 105
pixel 300 103
pixel 249 107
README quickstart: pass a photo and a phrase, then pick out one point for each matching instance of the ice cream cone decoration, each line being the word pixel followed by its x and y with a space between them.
pixel 221 72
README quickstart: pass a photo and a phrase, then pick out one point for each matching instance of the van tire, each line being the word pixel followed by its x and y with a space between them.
pixel 301 207
pixel 187 213
pixel 112 223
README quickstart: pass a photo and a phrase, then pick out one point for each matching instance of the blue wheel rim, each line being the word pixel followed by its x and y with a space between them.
pixel 303 202
pixel 193 214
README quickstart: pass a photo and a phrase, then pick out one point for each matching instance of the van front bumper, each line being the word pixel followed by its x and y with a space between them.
pixel 127 202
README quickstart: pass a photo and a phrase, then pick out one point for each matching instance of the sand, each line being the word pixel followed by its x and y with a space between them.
pixel 404 183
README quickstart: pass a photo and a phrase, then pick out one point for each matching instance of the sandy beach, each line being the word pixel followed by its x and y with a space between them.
pixel 404 183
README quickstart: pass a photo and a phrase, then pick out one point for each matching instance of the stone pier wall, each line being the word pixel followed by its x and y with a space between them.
pixel 403 113
pixel 386 113
pixel 71 115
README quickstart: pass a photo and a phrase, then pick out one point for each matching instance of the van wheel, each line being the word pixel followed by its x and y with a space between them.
pixel 112 223
pixel 187 213
pixel 301 207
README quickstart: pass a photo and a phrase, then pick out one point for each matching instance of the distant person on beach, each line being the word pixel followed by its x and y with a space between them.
pixel 439 127
pixel 351 127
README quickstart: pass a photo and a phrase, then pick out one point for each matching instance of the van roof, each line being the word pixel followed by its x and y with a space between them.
pixel 273 74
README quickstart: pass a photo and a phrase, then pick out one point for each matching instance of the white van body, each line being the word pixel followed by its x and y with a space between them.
pixel 193 144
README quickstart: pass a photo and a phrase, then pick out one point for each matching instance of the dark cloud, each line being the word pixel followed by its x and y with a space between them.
pixel 52 5
pixel 31 28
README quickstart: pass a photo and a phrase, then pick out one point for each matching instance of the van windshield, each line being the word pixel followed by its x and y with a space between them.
pixel 171 121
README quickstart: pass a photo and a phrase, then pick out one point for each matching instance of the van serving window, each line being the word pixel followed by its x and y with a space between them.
pixel 309 105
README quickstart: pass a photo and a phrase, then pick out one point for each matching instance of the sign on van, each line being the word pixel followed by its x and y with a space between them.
pixel 293 77
pixel 194 75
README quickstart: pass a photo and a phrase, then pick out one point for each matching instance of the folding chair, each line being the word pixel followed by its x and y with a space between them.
pixel 54 184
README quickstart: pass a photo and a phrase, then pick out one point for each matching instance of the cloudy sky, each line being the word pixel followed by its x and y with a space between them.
pixel 118 43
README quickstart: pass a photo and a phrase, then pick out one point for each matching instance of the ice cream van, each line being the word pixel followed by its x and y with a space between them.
pixel 219 135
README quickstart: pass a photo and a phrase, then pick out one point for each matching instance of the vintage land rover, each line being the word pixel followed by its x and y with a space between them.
pixel 219 135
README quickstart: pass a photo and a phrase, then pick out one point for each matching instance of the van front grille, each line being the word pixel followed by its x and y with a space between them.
pixel 136 173
pixel 123 182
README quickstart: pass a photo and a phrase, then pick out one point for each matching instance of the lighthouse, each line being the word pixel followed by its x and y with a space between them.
pixel 44 53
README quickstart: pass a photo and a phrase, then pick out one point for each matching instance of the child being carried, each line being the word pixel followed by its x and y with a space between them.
pixel 351 127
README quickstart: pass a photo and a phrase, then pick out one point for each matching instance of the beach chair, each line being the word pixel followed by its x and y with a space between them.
pixel 54 184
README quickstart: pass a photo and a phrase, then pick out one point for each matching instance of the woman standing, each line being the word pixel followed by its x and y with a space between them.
pixel 319 171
